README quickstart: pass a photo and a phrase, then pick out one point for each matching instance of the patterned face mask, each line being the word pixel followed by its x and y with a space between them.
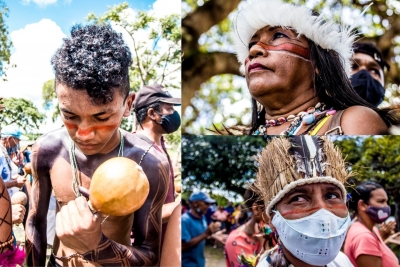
pixel 315 239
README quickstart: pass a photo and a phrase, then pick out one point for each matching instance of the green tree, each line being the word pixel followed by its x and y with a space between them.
pixel 5 43
pixel 48 95
pixel 210 72
pixel 21 112
pixel 375 158
pixel 157 52
pixel 219 162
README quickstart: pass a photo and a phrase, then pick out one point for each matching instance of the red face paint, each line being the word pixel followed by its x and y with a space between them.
pixel 289 47
pixel 87 131
pixel 70 126
pixel 300 211
pixel 293 48
pixel 333 206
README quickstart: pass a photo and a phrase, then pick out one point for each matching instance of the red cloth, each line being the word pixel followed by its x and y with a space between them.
pixel 361 241
pixel 237 243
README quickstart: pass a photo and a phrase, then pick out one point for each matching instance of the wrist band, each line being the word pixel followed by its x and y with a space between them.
pixel 76 254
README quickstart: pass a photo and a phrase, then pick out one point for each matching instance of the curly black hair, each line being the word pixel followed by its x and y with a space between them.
pixel 96 59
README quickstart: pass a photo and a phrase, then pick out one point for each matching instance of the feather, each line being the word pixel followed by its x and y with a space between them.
pixel 257 14
pixel 285 161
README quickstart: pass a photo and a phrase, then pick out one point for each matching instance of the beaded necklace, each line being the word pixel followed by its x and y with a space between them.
pixel 309 117
pixel 76 179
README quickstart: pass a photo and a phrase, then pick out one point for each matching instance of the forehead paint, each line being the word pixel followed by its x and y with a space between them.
pixel 289 47
pixel 87 131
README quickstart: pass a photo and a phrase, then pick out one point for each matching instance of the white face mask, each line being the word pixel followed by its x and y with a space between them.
pixel 315 239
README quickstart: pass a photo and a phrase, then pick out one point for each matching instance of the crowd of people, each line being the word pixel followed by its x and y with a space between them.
pixel 299 213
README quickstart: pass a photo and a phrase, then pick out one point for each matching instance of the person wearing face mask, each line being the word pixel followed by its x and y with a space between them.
pixel 195 230
pixel 302 186
pixel 364 245
pixel 367 72
pixel 156 116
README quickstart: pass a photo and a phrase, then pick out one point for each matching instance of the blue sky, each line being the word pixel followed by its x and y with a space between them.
pixel 65 13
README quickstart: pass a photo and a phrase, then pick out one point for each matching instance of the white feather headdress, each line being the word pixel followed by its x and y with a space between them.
pixel 257 14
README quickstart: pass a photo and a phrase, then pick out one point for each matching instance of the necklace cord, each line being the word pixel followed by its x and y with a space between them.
pixel 76 177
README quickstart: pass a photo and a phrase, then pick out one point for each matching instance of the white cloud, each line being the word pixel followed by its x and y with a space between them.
pixel 34 45
pixel 41 3
pixel 163 8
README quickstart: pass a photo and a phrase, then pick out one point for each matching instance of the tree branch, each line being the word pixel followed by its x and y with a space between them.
pixel 165 66
pixel 201 67
pixel 202 19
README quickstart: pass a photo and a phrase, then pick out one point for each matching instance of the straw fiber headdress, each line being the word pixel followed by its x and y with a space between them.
pixel 256 14
pixel 286 163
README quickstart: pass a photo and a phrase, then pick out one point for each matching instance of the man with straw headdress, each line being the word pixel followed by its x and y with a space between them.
pixel 301 181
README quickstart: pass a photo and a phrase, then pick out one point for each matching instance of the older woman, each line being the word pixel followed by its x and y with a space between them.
pixel 364 245
pixel 301 182
pixel 297 67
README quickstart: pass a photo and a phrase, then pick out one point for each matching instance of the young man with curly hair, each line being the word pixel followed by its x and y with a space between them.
pixel 92 87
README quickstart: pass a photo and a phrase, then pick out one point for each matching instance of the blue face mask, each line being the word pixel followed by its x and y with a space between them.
pixel 367 87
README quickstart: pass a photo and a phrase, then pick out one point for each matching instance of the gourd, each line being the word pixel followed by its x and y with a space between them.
pixel 118 187
pixel 28 168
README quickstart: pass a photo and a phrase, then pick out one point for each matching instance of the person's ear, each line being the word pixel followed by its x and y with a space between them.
pixel 361 205
pixel 151 113
pixel 128 106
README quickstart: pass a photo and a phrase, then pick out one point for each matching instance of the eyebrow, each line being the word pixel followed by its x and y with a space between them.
pixel 270 29
pixel 298 190
pixel 328 187
pixel 69 112
pixel 368 63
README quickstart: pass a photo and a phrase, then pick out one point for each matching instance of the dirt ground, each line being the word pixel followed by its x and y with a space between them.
pixel 214 256
pixel 19 233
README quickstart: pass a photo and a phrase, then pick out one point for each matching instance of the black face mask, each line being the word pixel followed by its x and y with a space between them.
pixel 367 87
pixel 170 122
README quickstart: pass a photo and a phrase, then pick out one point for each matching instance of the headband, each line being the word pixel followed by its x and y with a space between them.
pixel 257 14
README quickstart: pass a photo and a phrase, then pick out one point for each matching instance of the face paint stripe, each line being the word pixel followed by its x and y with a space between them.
pixel 90 129
pixel 335 206
pixel 293 50
pixel 301 51
pixel 300 211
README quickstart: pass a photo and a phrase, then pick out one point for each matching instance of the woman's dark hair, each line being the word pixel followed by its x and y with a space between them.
pixel 333 87
pixel 251 197
pixel 363 192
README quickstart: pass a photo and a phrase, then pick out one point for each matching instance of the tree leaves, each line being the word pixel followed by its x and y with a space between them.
pixel 5 43
pixel 21 112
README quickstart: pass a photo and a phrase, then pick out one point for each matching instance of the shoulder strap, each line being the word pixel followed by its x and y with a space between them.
pixel 334 126
pixel 145 138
